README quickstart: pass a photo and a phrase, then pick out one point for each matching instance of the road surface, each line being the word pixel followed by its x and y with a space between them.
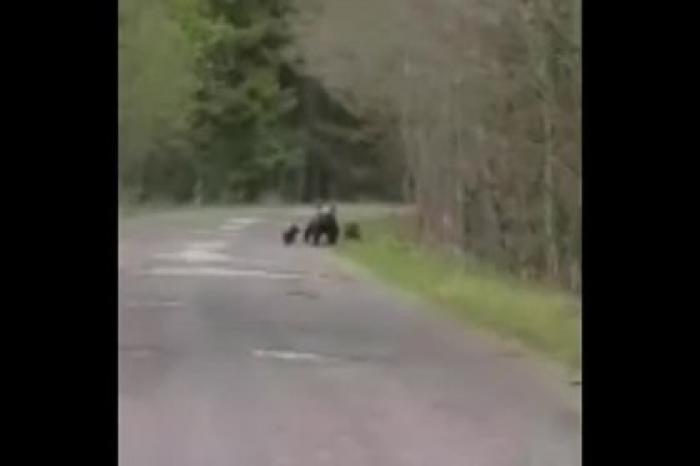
pixel 236 350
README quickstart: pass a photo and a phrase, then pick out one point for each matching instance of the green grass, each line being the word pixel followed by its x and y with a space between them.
pixel 544 319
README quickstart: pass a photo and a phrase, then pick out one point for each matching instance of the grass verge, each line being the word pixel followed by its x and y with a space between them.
pixel 541 318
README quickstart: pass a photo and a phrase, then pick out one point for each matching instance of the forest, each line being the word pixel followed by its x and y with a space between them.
pixel 469 110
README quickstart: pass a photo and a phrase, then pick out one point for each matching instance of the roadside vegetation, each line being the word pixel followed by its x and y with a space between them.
pixel 543 318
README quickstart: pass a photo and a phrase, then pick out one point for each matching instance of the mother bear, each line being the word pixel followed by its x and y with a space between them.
pixel 323 223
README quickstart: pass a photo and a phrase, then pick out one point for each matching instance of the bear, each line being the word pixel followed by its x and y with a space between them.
pixel 290 234
pixel 322 224
pixel 352 231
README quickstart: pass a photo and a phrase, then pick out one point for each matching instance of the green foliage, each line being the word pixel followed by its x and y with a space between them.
pixel 156 78
pixel 242 106
pixel 214 107
pixel 199 97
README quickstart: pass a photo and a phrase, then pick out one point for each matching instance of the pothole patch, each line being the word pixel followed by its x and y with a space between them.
pixel 511 354
pixel 304 294
pixel 335 276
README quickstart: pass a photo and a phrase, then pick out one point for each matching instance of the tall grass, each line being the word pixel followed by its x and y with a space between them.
pixel 542 318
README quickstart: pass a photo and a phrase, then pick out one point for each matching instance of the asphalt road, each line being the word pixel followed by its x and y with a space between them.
pixel 236 350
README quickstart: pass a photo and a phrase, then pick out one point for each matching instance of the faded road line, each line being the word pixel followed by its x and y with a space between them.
pixel 220 272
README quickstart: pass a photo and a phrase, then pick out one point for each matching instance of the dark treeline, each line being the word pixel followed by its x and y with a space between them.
pixel 215 107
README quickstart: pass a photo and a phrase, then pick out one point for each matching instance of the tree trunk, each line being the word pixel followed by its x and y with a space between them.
pixel 551 248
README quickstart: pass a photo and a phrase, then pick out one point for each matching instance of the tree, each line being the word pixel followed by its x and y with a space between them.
pixel 483 100
pixel 156 84
pixel 242 106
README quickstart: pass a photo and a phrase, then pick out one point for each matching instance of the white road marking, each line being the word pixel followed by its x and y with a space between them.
pixel 252 261
pixel 147 304
pixel 238 223
pixel 194 256
pixel 231 228
pixel 287 355
pixel 243 221
pixel 198 252
pixel 207 245
pixel 219 272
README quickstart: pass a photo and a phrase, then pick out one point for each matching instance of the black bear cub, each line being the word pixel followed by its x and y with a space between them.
pixel 352 231
pixel 289 235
